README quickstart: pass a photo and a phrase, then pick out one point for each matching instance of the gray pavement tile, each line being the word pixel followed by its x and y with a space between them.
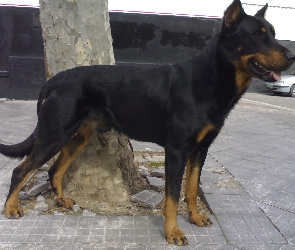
pixel 239 221
pixel 249 246
pixel 148 198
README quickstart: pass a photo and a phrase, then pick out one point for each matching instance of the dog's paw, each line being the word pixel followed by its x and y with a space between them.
pixel 65 202
pixel 13 211
pixel 199 219
pixel 176 236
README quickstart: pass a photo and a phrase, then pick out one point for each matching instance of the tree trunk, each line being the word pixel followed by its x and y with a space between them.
pixel 77 33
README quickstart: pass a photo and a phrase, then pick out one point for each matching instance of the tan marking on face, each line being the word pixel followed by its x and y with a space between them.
pixel 272 59
pixel 202 134
pixel 263 29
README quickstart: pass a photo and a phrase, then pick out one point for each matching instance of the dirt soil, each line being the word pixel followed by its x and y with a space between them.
pixel 104 208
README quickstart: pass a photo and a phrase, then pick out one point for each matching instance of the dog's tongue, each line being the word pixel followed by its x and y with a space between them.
pixel 276 75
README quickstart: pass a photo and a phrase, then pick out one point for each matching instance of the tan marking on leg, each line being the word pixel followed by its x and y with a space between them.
pixel 191 193
pixel 69 152
pixel 202 134
pixel 12 208
pixel 173 234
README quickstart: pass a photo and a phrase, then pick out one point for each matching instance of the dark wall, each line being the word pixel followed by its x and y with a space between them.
pixel 21 48
pixel 137 38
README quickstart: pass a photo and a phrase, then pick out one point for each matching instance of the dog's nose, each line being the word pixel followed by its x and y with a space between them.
pixel 290 56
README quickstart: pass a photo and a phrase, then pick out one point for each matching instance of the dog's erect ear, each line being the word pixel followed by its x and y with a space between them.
pixel 261 13
pixel 232 17
pixel 233 14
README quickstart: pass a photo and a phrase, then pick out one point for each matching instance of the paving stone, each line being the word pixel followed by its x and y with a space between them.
pixel 148 198
pixel 37 189
pixel 158 172
pixel 156 183
pixel 23 195
pixel 43 176
pixel 241 220
pixel 144 171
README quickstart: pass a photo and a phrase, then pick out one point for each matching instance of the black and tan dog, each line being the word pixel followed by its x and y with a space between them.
pixel 181 107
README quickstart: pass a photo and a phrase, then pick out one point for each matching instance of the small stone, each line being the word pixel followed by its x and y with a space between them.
pixel 76 208
pixel 57 213
pixel 41 206
pixel 159 172
pixel 156 183
pixel 33 213
pixel 40 198
pixel 143 171
pixel 88 213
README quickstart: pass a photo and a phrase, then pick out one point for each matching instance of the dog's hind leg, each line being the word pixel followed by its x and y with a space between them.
pixel 41 153
pixel 44 149
pixel 69 152
pixel 19 176
pixel 193 172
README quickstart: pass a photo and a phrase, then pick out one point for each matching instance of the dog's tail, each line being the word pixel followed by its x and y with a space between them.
pixel 19 150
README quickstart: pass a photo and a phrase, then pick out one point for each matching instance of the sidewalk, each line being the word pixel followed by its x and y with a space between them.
pixel 248 182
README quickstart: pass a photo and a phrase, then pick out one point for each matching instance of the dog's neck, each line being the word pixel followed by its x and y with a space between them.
pixel 227 82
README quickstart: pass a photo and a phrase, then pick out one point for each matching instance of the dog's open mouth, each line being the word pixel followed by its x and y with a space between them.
pixel 262 73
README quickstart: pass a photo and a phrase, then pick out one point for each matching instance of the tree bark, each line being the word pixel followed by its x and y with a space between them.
pixel 77 33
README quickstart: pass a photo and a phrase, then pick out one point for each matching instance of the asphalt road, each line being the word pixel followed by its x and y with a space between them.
pixel 266 97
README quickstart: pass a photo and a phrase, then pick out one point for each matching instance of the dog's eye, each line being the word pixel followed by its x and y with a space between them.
pixel 258 34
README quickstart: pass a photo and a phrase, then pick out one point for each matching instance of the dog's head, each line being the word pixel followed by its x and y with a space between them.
pixel 249 42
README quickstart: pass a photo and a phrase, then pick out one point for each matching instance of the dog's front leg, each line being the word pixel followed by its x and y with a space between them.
pixel 174 168
pixel 193 172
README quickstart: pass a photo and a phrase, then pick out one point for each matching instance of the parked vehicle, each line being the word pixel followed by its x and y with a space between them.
pixel 285 85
